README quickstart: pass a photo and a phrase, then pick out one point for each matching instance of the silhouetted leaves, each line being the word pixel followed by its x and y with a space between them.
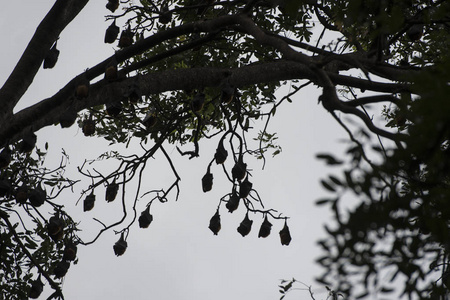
pixel 329 159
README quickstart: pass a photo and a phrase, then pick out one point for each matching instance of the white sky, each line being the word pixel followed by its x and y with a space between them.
pixel 178 257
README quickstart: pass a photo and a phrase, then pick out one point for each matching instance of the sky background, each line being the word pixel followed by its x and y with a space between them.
pixel 178 257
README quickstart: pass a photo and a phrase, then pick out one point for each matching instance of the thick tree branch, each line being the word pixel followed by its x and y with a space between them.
pixel 331 102
pixel 47 111
pixel 261 37
pixel 372 99
pixel 60 15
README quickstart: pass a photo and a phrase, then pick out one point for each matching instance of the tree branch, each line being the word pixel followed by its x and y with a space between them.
pixel 59 16
pixel 47 111
pixel 53 284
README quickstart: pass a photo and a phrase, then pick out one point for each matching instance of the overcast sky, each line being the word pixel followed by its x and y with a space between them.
pixel 178 257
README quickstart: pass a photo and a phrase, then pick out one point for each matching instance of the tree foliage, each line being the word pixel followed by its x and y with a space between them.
pixel 183 71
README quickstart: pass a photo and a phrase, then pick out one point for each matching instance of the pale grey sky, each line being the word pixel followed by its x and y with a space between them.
pixel 178 257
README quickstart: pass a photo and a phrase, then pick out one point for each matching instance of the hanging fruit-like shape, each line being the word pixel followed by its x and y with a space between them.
pixel 150 120
pixel 28 143
pixel 112 5
pixel 265 228
pixel 89 202
pixel 68 118
pixel 198 102
pixel 245 226
pixel 227 93
pixel 207 182
pixel 239 170
pixel 133 93
pixel 245 187
pixel 233 202
pixel 55 228
pixel 5 187
pixel 36 288
pixel 126 38
pixel 120 246
pixel 82 89
pixel 111 191
pixel 37 196
pixel 88 127
pixel 114 109
pixel 214 223
pixel 446 279
pixel 221 154
pixel 415 32
pixel 165 15
pixel 70 251
pixel 51 58
pixel 111 33
pixel 285 235
pixel 146 218
pixel 21 194
pixel 111 70
pixel 204 6
pixel 61 269
pixel 5 157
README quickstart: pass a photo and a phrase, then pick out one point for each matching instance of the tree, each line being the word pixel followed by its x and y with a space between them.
pixel 184 71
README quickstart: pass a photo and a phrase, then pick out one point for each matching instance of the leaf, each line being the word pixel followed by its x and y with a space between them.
pixel 363 295
pixel 335 180
pixel 323 201
pixel 327 186
pixel 386 290
pixel 349 179
pixel 31 245
pixel 329 159
pixel 292 7
pixel 322 281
